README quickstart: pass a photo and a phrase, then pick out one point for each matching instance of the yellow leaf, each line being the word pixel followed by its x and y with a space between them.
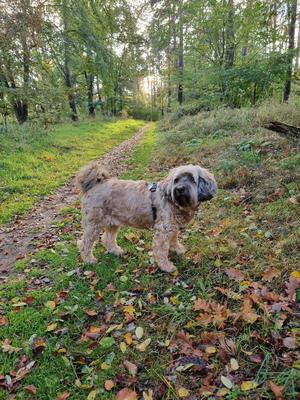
pixel 182 392
pixel 248 385
pixel 51 327
pixel 174 300
pixel 210 350
pixel 50 304
pixel 222 392
pixel 92 395
pixel 149 395
pixel 128 338
pixel 105 366
pixel 129 310
pixel 139 332
pixel 295 274
pixel 142 346
pixel 123 347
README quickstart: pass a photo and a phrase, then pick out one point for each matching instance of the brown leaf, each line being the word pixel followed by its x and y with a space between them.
pixel 291 286
pixel 63 396
pixel 229 293
pixel 235 274
pixel 277 390
pixel 132 368
pixel 30 389
pixel 109 384
pixel 39 344
pixel 126 394
pixel 200 305
pixel 3 320
pixel 256 358
pixel 248 313
pixel 90 313
pixel 289 342
pixel 270 274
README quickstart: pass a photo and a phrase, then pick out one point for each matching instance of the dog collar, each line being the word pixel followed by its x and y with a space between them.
pixel 152 188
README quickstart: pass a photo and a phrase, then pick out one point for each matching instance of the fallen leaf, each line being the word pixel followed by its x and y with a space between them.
pixel 92 395
pixel 149 395
pixel 126 394
pixel 51 327
pixel 248 385
pixel 123 347
pixel 210 350
pixel 295 274
pixel 291 286
pixel 289 342
pixel 235 274
pixel 39 344
pixel 270 274
pixel 200 305
pixel 229 293
pixel 182 392
pixel 129 310
pixel 3 320
pixel 226 382
pixel 132 368
pixel 109 384
pixel 277 390
pixel 222 392
pixel 128 338
pixel 8 348
pixel 139 332
pixel 63 396
pixel 90 313
pixel 99 295
pixel 143 346
pixel 30 389
pixel 234 364
pixel 50 304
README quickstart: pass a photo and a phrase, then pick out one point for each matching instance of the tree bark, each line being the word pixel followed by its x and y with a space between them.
pixel 292 14
pixel 230 36
pixel 283 129
pixel 67 72
pixel 180 54
pixel 90 94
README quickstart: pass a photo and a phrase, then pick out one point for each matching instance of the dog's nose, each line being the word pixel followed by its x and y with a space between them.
pixel 180 189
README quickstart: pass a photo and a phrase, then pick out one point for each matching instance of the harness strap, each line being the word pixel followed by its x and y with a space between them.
pixel 152 188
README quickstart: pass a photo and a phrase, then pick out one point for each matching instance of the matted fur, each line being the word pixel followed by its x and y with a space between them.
pixel 109 203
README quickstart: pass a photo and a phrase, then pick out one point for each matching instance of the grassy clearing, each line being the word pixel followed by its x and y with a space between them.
pixel 251 227
pixel 33 162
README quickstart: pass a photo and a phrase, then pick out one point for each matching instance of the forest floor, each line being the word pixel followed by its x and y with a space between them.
pixel 223 326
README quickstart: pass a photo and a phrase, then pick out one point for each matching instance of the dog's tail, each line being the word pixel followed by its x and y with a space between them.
pixel 90 175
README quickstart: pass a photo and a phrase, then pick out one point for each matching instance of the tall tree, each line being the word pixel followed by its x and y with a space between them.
pixel 292 15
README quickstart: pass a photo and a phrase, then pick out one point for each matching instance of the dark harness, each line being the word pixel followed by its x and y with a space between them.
pixel 152 187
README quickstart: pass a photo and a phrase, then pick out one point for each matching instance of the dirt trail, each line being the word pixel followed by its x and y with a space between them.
pixel 21 236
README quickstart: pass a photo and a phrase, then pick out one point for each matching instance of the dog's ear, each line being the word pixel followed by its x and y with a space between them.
pixel 207 188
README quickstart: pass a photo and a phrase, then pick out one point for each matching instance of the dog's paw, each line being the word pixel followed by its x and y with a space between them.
pixel 117 251
pixel 90 260
pixel 168 267
pixel 179 249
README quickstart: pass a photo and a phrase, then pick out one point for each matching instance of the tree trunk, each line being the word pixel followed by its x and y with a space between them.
pixel 180 54
pixel 292 14
pixel 67 72
pixel 230 36
pixel 90 94
pixel 298 45
pixel 283 129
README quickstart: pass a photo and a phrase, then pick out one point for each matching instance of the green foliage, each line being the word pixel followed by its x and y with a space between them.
pixel 34 161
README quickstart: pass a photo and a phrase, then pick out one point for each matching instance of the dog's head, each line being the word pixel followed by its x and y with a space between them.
pixel 189 185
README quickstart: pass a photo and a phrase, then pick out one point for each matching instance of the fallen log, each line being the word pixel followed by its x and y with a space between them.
pixel 283 129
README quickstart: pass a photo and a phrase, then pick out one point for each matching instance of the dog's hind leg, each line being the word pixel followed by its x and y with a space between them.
pixel 90 235
pixel 175 246
pixel 109 239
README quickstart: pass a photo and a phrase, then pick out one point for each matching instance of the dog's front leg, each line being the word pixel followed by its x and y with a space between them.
pixel 175 246
pixel 161 250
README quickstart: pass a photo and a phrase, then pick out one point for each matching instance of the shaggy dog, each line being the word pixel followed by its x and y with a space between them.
pixel 109 203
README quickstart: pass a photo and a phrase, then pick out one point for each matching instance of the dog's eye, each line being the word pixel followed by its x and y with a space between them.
pixel 176 180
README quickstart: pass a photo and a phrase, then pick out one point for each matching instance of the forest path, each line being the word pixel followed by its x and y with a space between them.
pixel 25 234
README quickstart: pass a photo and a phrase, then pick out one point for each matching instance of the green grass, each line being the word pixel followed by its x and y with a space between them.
pixel 33 163
pixel 248 231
